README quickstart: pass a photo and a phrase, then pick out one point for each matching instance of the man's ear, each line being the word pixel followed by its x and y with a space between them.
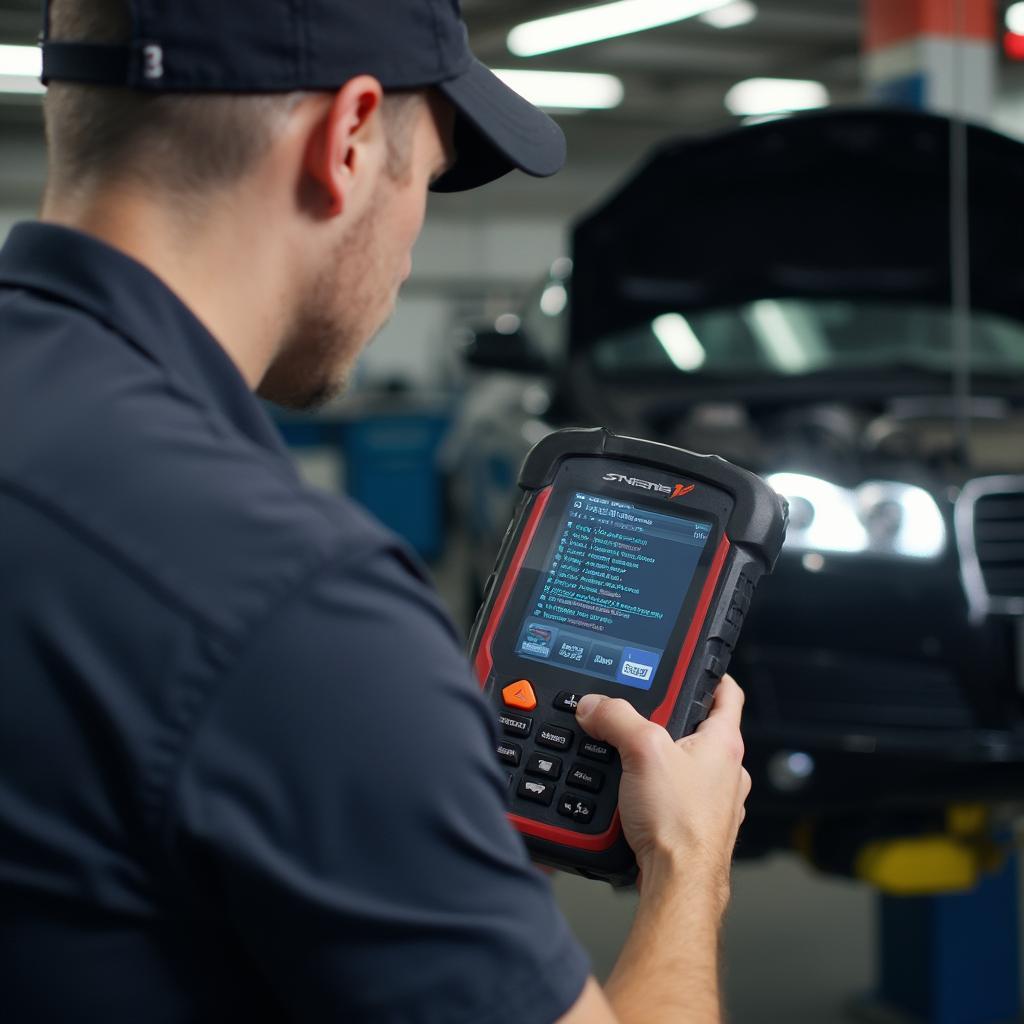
pixel 343 141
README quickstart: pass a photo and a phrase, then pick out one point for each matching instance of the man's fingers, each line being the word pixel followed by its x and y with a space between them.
pixel 607 718
pixel 727 710
pixel 617 722
pixel 722 726
pixel 745 787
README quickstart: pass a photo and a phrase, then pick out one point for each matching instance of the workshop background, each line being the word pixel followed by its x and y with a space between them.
pixel 837 266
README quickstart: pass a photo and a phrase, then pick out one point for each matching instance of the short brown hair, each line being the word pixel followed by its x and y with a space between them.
pixel 187 144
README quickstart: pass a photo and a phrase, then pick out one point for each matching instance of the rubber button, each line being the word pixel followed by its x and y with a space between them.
pixel 579 808
pixel 585 778
pixel 536 790
pixel 510 753
pixel 515 725
pixel 547 767
pixel 555 738
pixel 520 695
pixel 567 701
pixel 596 751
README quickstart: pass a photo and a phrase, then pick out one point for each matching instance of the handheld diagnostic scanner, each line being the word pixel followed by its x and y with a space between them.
pixel 627 570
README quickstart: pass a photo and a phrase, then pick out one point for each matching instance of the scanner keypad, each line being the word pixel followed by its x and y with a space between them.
pixel 581 796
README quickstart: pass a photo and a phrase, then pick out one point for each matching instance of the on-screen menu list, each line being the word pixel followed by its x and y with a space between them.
pixel 611 588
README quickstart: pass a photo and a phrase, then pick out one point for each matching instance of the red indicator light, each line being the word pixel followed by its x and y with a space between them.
pixel 1013 44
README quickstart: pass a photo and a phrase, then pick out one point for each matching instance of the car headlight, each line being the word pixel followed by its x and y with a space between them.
pixel 880 517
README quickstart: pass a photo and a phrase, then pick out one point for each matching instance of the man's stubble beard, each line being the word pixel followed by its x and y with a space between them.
pixel 331 325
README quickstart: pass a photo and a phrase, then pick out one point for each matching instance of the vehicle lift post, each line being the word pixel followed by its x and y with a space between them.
pixel 952 958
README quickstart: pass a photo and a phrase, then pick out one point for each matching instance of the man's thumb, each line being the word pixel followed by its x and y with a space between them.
pixel 607 718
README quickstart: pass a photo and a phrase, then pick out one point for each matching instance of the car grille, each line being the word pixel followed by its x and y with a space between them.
pixel 999 535
pixel 990 534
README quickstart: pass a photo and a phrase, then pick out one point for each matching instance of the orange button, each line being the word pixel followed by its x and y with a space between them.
pixel 520 695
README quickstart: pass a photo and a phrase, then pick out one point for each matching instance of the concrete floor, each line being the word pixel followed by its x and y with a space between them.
pixel 798 946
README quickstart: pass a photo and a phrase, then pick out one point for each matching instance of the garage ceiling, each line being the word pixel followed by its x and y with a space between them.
pixel 675 78
pixel 675 81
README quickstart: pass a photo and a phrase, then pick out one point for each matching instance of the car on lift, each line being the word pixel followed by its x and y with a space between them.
pixel 788 295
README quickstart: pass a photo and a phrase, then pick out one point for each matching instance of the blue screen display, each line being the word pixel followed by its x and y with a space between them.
pixel 610 589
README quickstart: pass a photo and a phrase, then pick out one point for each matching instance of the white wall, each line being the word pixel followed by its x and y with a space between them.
pixel 497 250
pixel 458 267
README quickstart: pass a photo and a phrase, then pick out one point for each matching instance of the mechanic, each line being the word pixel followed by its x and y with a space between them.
pixel 245 771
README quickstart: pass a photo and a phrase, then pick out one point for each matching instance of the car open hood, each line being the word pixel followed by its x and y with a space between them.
pixel 849 203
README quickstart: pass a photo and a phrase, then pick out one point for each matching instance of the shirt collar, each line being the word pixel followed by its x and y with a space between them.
pixel 79 270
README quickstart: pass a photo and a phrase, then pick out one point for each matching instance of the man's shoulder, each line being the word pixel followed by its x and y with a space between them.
pixel 109 447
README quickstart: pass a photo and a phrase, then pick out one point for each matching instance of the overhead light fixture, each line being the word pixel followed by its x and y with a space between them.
pixel 681 345
pixel 554 299
pixel 20 68
pixel 1015 19
pixel 783 334
pixel 604 21
pixel 739 12
pixel 774 96
pixel 507 323
pixel 564 90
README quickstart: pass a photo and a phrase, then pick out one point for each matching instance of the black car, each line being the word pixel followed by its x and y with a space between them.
pixel 795 297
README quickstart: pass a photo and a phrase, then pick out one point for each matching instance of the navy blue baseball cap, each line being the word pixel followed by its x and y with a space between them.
pixel 262 46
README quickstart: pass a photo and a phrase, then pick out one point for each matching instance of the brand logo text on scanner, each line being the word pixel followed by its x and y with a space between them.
pixel 648 485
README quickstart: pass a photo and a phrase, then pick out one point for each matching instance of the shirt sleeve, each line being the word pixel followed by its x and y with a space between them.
pixel 345 787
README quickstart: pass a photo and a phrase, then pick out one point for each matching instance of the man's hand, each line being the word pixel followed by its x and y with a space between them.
pixel 681 805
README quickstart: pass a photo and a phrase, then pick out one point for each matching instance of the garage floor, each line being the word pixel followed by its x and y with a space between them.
pixel 798 945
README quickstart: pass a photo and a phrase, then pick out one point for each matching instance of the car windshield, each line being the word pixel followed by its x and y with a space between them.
pixel 792 337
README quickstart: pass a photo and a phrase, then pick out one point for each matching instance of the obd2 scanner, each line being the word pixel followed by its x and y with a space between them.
pixel 627 570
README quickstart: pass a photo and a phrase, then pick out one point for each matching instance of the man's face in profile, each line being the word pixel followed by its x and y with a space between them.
pixel 350 299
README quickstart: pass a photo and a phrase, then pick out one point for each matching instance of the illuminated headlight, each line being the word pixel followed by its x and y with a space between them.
pixel 880 517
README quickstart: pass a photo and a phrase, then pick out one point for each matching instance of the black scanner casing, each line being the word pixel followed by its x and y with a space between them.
pixel 754 530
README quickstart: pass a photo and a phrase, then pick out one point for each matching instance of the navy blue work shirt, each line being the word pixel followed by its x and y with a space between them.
pixel 245 773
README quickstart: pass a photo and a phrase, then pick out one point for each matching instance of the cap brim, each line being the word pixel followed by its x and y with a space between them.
pixel 496 131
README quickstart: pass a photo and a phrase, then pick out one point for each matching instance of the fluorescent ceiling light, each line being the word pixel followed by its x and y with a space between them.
pixel 565 90
pixel 20 68
pixel 740 12
pixel 21 60
pixel 507 323
pixel 774 95
pixel 554 300
pixel 788 342
pixel 1015 18
pixel 679 342
pixel 605 21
